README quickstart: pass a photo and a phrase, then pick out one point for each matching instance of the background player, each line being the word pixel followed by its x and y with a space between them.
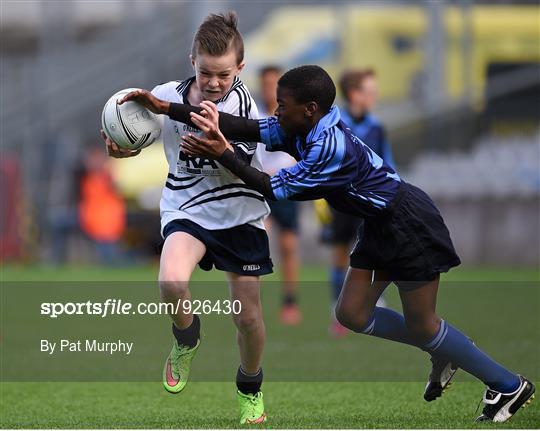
pixel 405 240
pixel 359 91
pixel 211 218
pixel 283 214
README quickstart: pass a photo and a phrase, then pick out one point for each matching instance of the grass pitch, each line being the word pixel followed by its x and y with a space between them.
pixel 359 403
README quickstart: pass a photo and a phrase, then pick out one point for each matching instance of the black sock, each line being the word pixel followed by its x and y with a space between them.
pixel 249 383
pixel 190 335
pixel 289 299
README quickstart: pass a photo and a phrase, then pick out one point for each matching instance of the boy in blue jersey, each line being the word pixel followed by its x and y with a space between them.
pixel 405 239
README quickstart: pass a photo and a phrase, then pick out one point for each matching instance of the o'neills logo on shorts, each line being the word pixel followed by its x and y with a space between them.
pixel 251 267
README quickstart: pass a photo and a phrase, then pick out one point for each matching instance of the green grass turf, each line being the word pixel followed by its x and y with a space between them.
pixel 359 403
pixel 307 273
pixel 213 405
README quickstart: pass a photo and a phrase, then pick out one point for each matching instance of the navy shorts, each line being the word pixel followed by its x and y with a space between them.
pixel 285 214
pixel 410 241
pixel 241 249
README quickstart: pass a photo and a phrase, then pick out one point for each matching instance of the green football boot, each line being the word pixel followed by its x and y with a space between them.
pixel 251 408
pixel 177 366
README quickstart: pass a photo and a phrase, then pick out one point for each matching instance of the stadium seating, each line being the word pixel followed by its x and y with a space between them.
pixel 496 167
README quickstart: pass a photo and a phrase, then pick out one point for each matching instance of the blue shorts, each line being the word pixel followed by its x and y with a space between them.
pixel 285 214
pixel 410 242
pixel 241 249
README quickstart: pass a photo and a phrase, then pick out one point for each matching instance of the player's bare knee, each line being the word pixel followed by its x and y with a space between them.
pixel 171 288
pixel 350 318
pixel 343 315
pixel 247 320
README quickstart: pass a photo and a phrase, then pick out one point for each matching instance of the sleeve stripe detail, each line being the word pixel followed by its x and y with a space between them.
pixel 263 125
pixel 247 98
pixel 322 159
pixel 245 101
pixel 271 134
pixel 334 147
pixel 241 110
pixel 315 174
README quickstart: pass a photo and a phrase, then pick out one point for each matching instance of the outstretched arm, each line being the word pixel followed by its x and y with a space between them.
pixel 236 128
pixel 217 150
pixel 233 127
pixel 215 146
pixel 313 177
pixel 259 180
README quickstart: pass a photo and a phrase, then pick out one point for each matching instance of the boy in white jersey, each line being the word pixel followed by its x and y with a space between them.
pixel 210 217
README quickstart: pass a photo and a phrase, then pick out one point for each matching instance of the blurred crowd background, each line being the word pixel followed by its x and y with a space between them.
pixel 459 96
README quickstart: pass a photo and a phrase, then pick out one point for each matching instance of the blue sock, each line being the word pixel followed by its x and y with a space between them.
pixel 450 344
pixel 337 278
pixel 390 325
pixel 458 348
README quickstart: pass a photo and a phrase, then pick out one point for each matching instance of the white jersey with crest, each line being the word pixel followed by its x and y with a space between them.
pixel 199 189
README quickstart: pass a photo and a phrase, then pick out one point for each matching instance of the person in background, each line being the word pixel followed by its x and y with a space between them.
pixel 101 209
pixel 359 91
pixel 284 214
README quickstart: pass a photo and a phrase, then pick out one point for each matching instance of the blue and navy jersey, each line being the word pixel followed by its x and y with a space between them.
pixel 371 132
pixel 333 164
